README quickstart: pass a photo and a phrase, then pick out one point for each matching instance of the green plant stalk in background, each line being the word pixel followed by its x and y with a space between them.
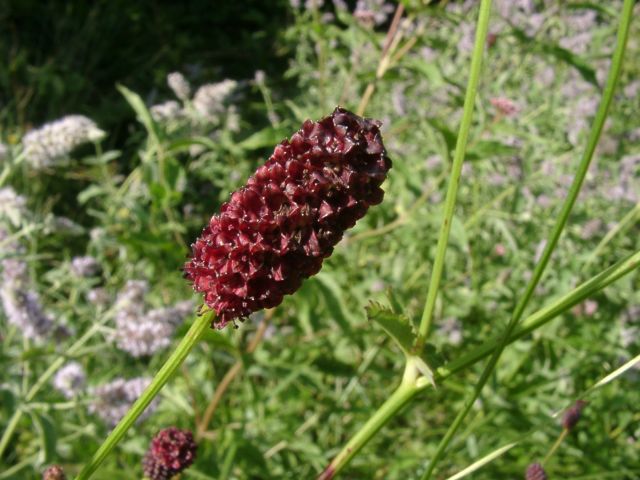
pixel 413 384
pixel 592 142
pixel 456 170
pixel 187 343
pixel 405 392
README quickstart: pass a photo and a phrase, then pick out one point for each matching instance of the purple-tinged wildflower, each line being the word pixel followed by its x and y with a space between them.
pixel 112 400
pixel 86 266
pixel 373 12
pixel 98 296
pixel 70 380
pixel 450 329
pixel 21 305
pixel 140 332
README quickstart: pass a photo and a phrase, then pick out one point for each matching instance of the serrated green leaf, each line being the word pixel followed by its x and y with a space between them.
pixel 398 327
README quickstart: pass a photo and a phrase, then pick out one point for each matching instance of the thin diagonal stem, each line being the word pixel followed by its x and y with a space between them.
pixel 170 366
pixel 456 170
pixel 555 446
pixel 592 142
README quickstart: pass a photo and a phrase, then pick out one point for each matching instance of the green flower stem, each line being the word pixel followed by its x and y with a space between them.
pixel 170 366
pixel 456 170
pixel 410 385
pixel 413 384
pixel 592 142
pixel 555 446
pixel 44 378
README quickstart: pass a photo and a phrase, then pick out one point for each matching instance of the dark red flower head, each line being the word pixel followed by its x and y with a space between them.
pixel 171 451
pixel 276 230
pixel 573 414
pixel 535 472
pixel 54 472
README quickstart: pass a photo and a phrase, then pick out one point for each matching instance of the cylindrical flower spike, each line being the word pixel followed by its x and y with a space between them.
pixel 573 414
pixel 535 472
pixel 171 451
pixel 276 230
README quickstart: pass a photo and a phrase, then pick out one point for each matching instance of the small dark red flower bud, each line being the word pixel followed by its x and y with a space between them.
pixel 54 472
pixel 573 414
pixel 535 472
pixel 276 230
pixel 171 451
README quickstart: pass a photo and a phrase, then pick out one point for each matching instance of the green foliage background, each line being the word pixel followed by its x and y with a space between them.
pixel 138 199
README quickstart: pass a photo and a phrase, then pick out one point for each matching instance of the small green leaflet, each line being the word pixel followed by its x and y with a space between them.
pixel 397 326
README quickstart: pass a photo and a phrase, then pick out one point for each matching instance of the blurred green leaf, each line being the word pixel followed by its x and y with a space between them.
pixel 47 437
pixel 265 138
pixel 142 112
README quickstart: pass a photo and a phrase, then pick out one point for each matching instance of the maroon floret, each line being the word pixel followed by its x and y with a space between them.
pixel 535 472
pixel 276 230
pixel 171 451
pixel 573 414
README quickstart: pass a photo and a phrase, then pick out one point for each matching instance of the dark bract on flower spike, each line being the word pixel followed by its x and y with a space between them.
pixel 276 230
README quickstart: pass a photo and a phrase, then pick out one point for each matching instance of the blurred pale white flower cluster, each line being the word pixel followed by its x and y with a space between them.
pixel 373 12
pixel 112 400
pixel 141 332
pixel 20 303
pixel 70 380
pixel 12 206
pixel 179 85
pixel 85 266
pixel 54 141
pixel 211 104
